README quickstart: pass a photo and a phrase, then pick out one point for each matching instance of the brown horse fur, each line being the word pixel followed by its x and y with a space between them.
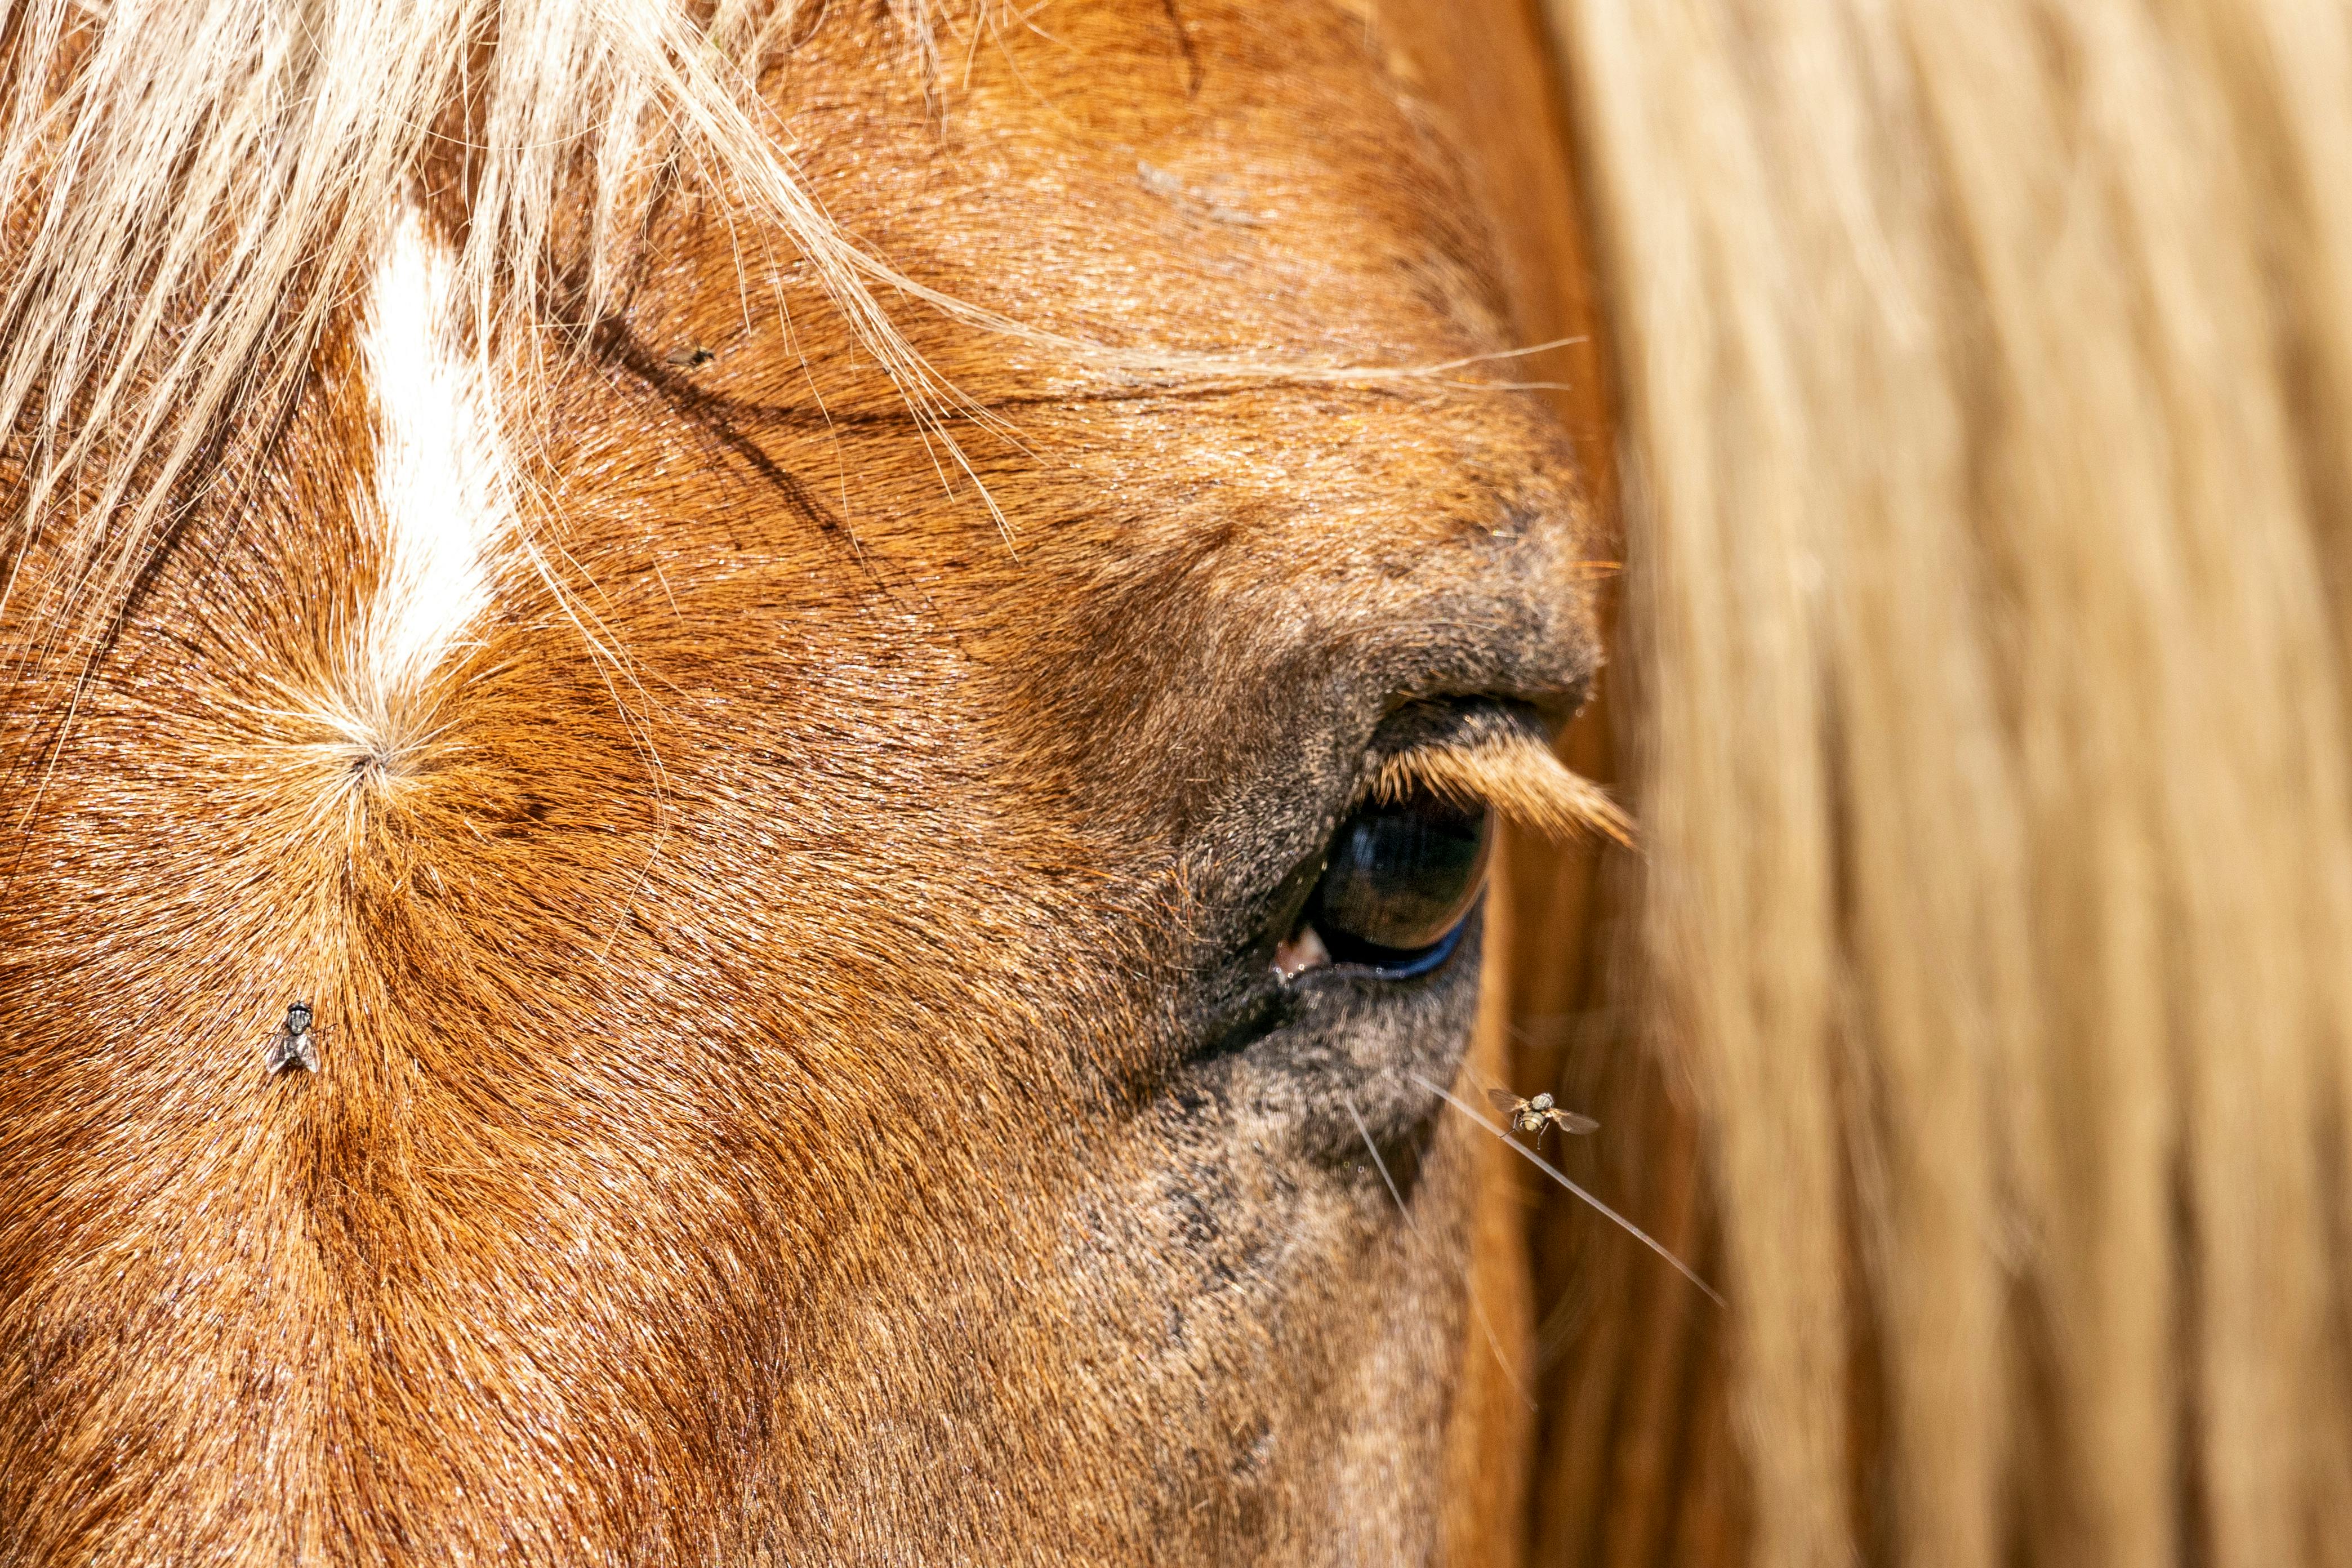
pixel 801 1078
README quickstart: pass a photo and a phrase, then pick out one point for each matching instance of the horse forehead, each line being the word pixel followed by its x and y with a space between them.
pixel 769 449
pixel 1102 188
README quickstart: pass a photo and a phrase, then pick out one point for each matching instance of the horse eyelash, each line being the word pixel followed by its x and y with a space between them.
pixel 1515 776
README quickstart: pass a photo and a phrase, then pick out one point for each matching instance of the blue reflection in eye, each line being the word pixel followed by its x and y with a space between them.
pixel 1429 958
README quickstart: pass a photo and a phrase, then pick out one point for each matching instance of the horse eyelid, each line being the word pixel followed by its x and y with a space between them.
pixel 1515 776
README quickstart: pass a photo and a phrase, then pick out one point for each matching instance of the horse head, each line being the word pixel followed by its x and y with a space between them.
pixel 894 921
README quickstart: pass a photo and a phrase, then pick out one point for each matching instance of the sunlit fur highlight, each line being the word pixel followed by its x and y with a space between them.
pixel 193 174
pixel 194 178
pixel 1987 373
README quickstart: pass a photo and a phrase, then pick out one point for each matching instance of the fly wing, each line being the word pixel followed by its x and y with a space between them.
pixel 1570 1121
pixel 286 1049
pixel 1503 1101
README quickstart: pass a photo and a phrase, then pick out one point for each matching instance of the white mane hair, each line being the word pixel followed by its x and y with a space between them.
pixel 188 181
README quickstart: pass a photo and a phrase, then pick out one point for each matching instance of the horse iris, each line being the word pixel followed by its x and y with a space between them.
pixel 1402 877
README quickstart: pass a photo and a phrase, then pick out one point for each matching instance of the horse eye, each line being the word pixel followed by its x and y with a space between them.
pixel 1399 883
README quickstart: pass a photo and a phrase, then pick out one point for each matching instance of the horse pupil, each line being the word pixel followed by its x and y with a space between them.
pixel 1401 876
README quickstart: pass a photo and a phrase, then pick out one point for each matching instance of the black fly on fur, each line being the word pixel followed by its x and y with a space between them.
pixel 295 1044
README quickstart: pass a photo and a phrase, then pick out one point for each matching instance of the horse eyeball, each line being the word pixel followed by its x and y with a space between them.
pixel 1401 879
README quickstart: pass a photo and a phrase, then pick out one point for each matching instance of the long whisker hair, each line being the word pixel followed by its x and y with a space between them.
pixel 1486 1324
pixel 1557 1175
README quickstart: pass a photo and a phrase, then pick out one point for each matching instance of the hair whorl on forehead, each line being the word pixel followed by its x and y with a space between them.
pixel 188 181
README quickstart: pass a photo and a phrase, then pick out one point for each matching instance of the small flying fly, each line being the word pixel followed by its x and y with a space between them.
pixel 1536 1115
pixel 295 1044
